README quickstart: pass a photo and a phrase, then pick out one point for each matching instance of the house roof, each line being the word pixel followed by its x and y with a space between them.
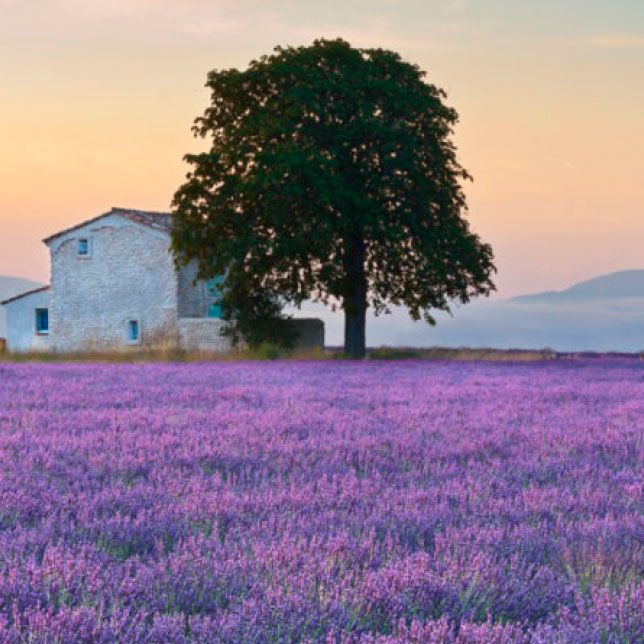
pixel 19 297
pixel 157 220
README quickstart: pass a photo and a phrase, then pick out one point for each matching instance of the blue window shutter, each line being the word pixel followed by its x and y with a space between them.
pixel 214 292
pixel 133 330
pixel 214 310
pixel 42 320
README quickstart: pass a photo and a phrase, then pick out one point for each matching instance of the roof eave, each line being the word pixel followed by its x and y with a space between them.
pixel 25 294
pixel 114 211
pixel 46 240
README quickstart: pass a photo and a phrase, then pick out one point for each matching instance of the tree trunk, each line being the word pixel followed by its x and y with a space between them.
pixel 355 345
pixel 355 301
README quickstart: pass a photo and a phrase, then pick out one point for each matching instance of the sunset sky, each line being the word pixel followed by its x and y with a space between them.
pixel 97 98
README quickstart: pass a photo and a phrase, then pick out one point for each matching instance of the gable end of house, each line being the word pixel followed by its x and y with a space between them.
pixel 160 221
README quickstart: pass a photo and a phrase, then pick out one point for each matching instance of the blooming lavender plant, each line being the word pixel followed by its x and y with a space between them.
pixel 332 502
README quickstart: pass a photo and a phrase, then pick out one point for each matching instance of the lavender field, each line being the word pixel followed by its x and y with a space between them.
pixel 322 501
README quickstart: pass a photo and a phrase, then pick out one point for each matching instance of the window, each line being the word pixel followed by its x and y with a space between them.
pixel 42 321
pixel 133 330
pixel 214 310
pixel 83 247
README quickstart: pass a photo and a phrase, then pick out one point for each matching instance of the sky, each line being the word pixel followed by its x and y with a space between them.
pixel 97 99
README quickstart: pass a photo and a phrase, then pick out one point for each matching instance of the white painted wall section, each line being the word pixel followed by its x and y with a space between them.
pixel 22 335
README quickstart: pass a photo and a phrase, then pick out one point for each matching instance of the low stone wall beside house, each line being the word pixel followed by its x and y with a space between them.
pixel 202 334
pixel 310 333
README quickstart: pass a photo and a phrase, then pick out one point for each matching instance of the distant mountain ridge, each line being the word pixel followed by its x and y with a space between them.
pixel 622 284
pixel 10 287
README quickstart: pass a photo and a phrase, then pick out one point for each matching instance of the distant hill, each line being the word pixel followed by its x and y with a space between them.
pixel 623 284
pixel 10 286
pixel 605 313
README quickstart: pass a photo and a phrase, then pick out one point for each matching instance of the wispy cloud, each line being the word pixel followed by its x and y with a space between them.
pixel 454 6
pixel 143 20
pixel 618 41
pixel 571 167
pixel 232 24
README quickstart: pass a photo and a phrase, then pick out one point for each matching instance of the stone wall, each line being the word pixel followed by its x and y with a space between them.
pixel 202 334
pixel 194 297
pixel 128 275
pixel 21 323
pixel 191 294
pixel 310 333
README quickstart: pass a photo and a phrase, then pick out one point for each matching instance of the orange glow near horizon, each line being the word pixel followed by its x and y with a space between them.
pixel 96 107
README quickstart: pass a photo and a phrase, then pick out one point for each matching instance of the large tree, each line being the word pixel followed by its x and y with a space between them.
pixel 332 176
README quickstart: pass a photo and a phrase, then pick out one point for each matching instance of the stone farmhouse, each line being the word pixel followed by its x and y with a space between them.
pixel 114 285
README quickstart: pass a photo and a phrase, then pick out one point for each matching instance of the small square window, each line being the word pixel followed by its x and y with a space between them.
pixel 42 321
pixel 83 247
pixel 133 330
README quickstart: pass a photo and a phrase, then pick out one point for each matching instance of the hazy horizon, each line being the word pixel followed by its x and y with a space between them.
pixel 98 100
pixel 605 313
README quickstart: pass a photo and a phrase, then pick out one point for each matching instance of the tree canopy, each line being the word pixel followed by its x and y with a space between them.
pixel 331 176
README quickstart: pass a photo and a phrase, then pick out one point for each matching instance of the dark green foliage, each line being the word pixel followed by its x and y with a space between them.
pixel 387 353
pixel 255 316
pixel 331 175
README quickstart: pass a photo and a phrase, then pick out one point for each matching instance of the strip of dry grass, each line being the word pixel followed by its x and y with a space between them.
pixel 462 353
pixel 270 352
pixel 167 355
